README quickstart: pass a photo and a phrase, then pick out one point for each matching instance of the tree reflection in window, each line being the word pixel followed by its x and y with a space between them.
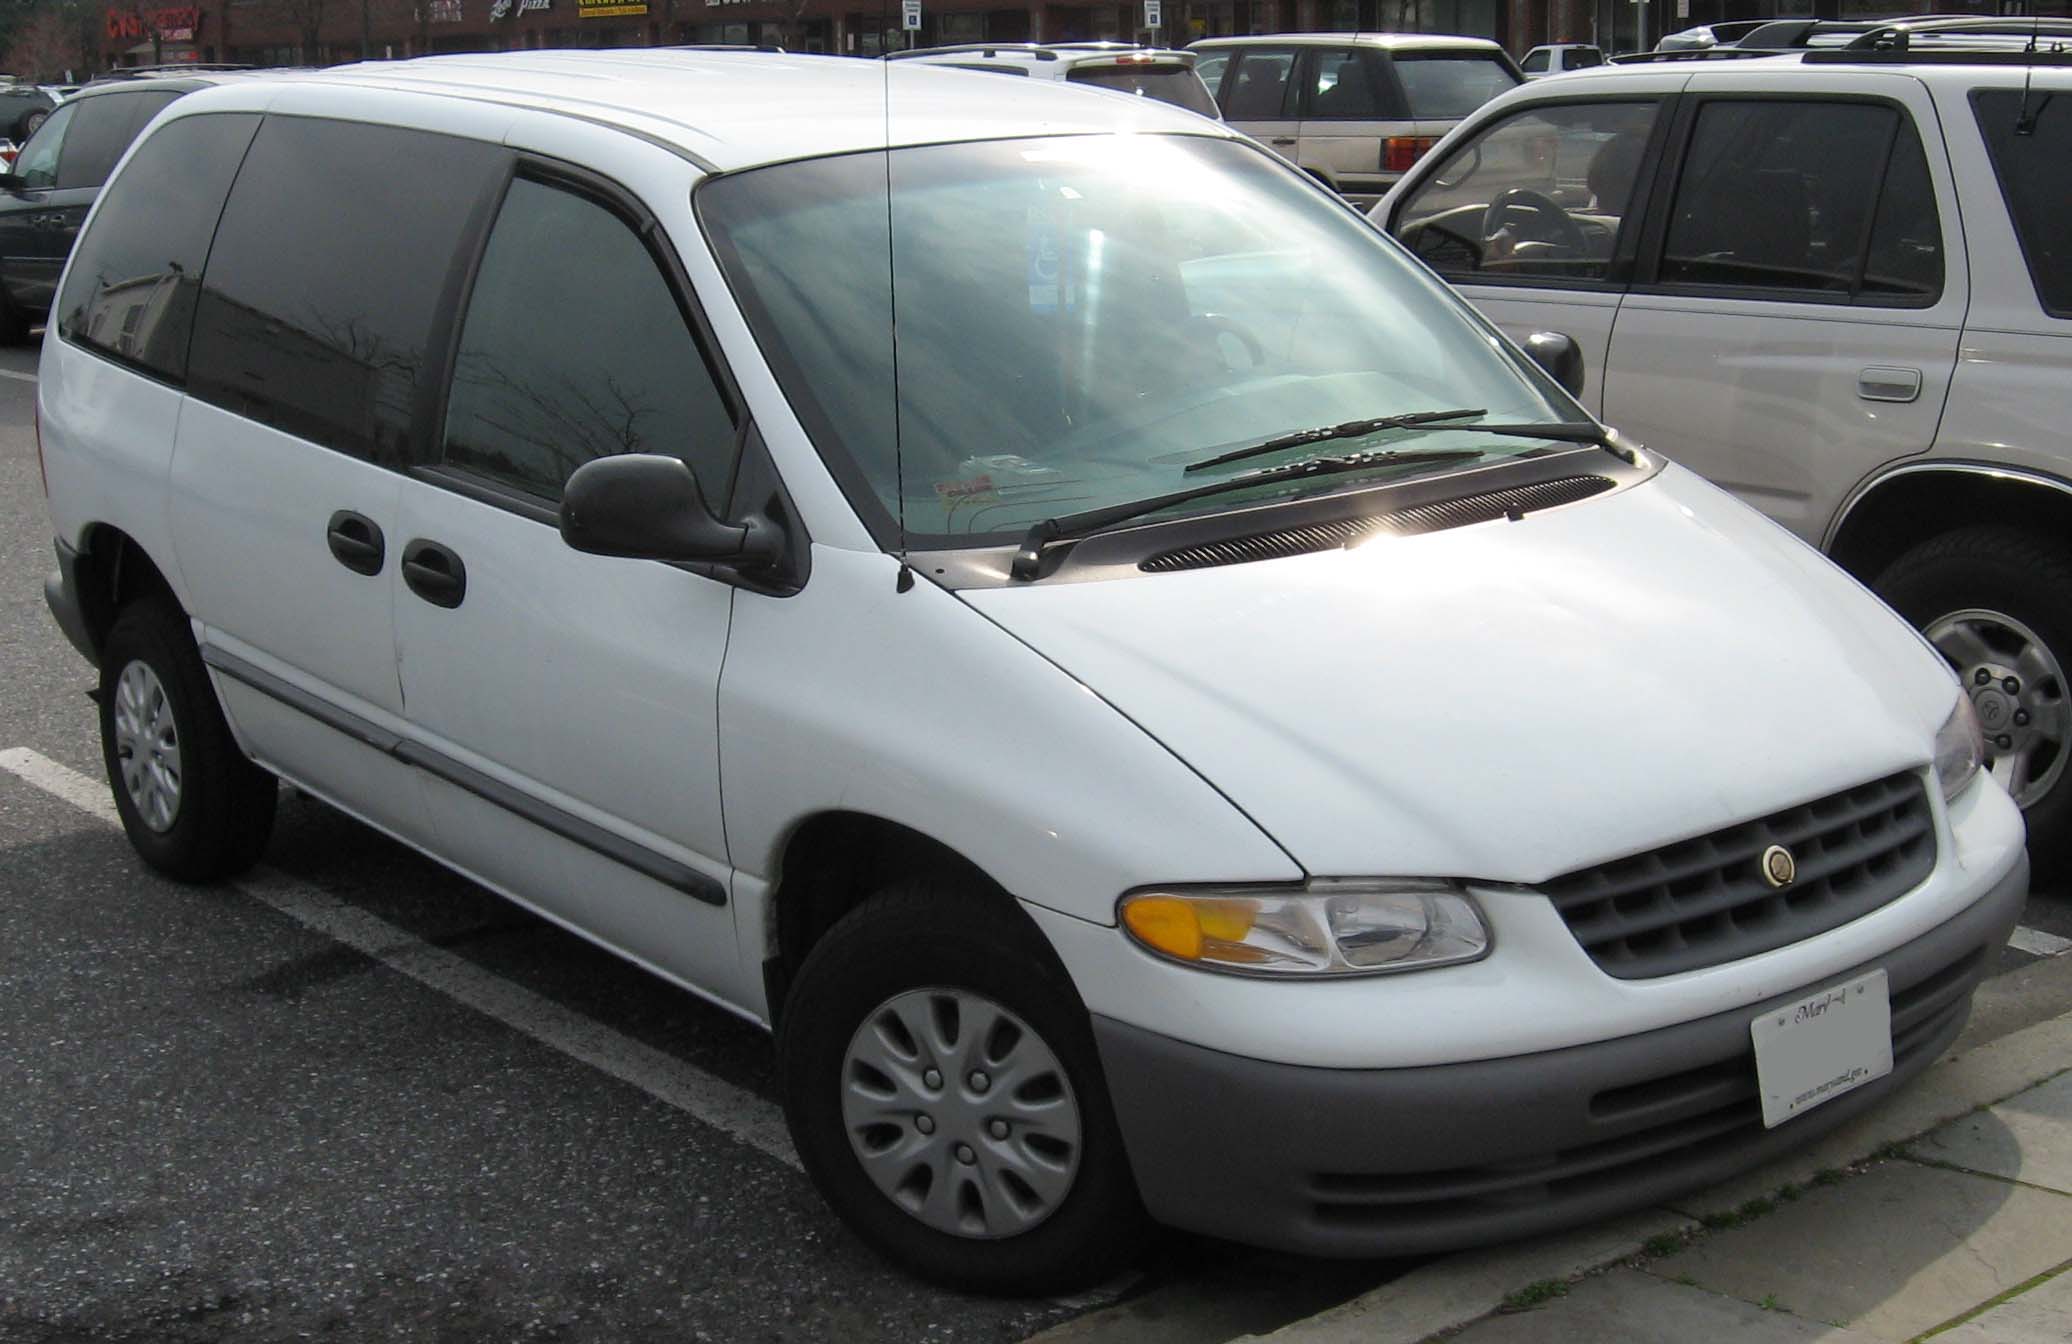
pixel 574 348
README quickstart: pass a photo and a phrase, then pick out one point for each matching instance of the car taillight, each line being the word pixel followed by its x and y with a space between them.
pixel 1399 152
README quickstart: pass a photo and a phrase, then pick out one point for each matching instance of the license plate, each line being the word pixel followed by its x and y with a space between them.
pixel 1822 1046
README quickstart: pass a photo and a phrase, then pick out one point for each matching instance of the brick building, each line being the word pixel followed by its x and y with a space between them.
pixel 325 32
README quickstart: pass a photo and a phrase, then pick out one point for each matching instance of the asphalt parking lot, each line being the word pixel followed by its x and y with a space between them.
pixel 355 1096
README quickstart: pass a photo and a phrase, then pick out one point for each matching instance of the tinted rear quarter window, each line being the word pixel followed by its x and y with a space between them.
pixel 133 282
pixel 1259 88
pixel 1175 84
pixel 2035 172
pixel 37 165
pixel 1445 86
pixel 101 129
pixel 335 250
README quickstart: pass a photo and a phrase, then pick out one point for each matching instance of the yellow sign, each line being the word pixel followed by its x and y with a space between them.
pixel 606 9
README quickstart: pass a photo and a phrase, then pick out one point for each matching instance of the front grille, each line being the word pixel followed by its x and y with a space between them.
pixel 1481 508
pixel 1701 902
pixel 1689 1117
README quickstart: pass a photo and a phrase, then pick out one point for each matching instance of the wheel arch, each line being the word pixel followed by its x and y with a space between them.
pixel 1890 514
pixel 114 570
pixel 830 863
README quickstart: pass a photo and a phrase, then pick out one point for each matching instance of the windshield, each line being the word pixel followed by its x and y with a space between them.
pixel 1082 318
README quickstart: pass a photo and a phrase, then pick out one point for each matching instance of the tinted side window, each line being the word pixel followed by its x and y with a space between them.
pixel 1346 86
pixel 1905 255
pixel 2035 172
pixel 1259 89
pixel 1781 196
pixel 38 164
pixel 1442 87
pixel 101 130
pixel 1210 67
pixel 615 371
pixel 131 288
pixel 1535 61
pixel 335 248
pixel 1545 192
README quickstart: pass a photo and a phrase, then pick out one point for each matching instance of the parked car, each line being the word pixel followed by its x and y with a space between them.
pixel 52 183
pixel 23 107
pixel 1086 721
pixel 1560 57
pixel 1835 283
pixel 1353 110
pixel 1142 72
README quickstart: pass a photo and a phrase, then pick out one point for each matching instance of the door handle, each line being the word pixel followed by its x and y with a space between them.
pixel 1282 140
pixel 356 540
pixel 1882 383
pixel 434 573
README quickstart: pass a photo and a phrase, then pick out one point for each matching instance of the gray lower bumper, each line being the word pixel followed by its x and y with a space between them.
pixel 61 592
pixel 1407 1161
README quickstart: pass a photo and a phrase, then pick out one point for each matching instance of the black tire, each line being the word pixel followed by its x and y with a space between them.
pixel 2023 575
pixel 932 933
pixel 224 810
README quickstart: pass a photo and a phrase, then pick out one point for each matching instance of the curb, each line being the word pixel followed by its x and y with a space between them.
pixel 1461 1288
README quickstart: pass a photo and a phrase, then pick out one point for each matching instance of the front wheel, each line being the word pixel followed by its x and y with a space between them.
pixel 1997 603
pixel 942 1085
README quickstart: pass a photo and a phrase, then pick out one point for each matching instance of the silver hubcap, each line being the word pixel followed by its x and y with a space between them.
pixel 147 746
pixel 960 1113
pixel 2018 689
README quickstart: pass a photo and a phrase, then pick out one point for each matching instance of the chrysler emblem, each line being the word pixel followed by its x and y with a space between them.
pixel 1779 867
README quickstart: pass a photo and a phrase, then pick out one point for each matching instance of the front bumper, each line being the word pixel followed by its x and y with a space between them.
pixel 1371 1162
pixel 61 593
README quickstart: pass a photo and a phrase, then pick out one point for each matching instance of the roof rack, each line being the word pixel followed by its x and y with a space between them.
pixel 730 46
pixel 1041 53
pixel 1898 34
pixel 1690 54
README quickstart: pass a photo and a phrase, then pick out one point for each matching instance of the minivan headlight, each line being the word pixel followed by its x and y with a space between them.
pixel 1960 748
pixel 1329 926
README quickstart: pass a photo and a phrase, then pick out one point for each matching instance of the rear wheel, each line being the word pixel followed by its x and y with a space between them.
pixel 192 805
pixel 942 1085
pixel 1997 603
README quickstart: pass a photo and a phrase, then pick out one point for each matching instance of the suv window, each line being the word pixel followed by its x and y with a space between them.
pixel 1446 87
pixel 131 288
pixel 2036 182
pixel 616 370
pixel 101 129
pixel 1783 196
pixel 38 164
pixel 1259 89
pixel 335 352
pixel 1175 84
pixel 1545 192
pixel 1346 86
pixel 1210 68
pixel 1535 61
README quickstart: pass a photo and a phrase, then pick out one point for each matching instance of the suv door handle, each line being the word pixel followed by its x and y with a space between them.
pixel 356 540
pixel 434 573
pixel 1882 383
pixel 1282 140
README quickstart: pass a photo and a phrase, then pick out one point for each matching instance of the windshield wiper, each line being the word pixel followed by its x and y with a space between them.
pixel 1028 560
pixel 1564 431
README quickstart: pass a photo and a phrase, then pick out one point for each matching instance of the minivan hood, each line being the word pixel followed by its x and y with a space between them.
pixel 1514 700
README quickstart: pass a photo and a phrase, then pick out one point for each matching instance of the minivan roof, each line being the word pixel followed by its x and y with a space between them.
pixel 1391 41
pixel 729 110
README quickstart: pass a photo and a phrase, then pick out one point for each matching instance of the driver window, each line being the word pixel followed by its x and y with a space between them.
pixel 1544 193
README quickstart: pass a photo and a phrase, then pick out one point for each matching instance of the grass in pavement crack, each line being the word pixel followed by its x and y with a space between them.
pixel 1534 1295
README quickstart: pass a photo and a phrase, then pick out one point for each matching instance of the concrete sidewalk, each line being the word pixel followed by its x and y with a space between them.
pixel 1947 1212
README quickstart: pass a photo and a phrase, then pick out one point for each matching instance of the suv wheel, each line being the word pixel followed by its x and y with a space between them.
pixel 193 806
pixel 942 1085
pixel 1997 602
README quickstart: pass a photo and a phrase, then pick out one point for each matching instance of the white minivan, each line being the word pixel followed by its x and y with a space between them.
pixel 1191 721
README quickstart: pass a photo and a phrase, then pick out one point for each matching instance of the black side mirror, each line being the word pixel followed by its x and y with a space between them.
pixel 649 507
pixel 13 182
pixel 1558 353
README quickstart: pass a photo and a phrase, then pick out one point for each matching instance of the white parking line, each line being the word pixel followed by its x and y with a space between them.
pixel 2038 943
pixel 720 1104
pixel 18 377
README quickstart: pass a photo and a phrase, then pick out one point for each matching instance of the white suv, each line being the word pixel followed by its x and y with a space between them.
pixel 1120 67
pixel 1189 719
pixel 1837 283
